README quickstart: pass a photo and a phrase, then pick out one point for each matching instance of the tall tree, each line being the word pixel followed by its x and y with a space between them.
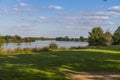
pixel 116 37
pixel 108 37
pixel 96 37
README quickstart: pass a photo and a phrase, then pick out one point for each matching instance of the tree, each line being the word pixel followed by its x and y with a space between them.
pixel 108 37
pixel 82 38
pixel 116 37
pixel 96 37
pixel 17 37
pixel 66 38
pixel 1 41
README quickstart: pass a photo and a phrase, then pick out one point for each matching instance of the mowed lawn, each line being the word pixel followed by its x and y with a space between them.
pixel 51 65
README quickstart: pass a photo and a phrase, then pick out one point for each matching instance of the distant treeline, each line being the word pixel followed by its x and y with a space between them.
pixel 18 39
pixel 66 38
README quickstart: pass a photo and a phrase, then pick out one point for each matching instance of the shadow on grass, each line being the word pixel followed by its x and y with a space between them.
pixel 113 48
pixel 49 65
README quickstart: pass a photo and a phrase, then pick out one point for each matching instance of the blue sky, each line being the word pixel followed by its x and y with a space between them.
pixel 53 18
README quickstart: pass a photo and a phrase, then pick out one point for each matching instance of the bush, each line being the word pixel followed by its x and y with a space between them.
pixel 53 45
pixel 45 49
pixel 36 49
pixel 21 50
pixel 27 50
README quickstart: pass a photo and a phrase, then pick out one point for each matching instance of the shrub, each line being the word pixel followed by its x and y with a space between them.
pixel 27 50
pixel 36 49
pixel 18 50
pixel 53 45
pixel 45 49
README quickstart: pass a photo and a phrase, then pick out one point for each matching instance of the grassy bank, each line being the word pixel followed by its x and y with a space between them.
pixel 51 65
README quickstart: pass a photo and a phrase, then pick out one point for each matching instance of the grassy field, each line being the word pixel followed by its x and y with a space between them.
pixel 51 65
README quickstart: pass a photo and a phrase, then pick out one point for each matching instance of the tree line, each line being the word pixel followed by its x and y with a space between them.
pixel 16 39
pixel 97 37
pixel 19 39
pixel 66 38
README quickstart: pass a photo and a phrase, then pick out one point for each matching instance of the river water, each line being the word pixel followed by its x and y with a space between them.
pixel 38 44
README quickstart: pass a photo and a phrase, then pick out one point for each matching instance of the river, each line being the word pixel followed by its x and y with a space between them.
pixel 38 44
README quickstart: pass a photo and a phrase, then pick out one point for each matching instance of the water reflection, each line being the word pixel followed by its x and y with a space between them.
pixel 42 44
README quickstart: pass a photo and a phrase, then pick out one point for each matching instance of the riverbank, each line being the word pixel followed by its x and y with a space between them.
pixel 49 49
pixel 53 65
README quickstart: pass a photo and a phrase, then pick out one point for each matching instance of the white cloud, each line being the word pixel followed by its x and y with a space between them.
pixel 16 9
pixel 23 7
pixel 97 17
pixel 111 14
pixel 55 7
pixel 114 8
pixel 72 19
pixel 90 19
pixel 23 4
pixel 110 23
pixel 78 20
pixel 4 10
pixel 42 17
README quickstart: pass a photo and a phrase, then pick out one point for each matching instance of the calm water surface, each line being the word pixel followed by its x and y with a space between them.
pixel 37 44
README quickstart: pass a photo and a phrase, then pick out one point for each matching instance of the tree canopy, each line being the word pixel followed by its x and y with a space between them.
pixel 96 37
pixel 116 37
pixel 108 37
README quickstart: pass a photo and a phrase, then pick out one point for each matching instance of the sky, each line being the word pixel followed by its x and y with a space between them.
pixel 57 18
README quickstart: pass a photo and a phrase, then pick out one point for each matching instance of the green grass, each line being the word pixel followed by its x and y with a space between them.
pixel 114 48
pixel 50 65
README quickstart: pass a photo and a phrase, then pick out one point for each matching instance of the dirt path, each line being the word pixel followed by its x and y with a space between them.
pixel 93 76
